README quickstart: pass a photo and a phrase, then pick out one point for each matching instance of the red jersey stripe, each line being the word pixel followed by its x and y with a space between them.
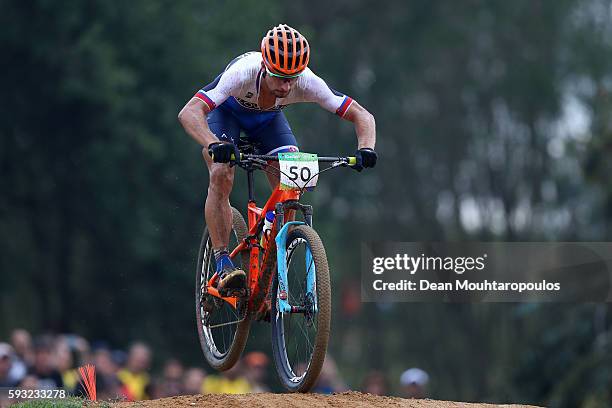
pixel 344 107
pixel 202 96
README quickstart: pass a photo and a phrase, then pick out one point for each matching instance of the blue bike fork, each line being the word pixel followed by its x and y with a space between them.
pixel 283 286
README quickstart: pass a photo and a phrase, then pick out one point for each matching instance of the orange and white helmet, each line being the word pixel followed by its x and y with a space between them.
pixel 285 51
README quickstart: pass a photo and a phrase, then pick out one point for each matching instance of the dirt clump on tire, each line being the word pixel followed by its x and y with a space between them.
pixel 268 400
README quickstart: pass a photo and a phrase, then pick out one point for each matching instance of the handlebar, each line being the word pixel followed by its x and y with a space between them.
pixel 350 160
pixel 250 162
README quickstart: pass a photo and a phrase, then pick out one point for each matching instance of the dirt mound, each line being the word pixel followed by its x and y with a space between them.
pixel 267 400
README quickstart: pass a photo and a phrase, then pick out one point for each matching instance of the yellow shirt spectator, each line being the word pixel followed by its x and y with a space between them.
pixel 136 383
pixel 221 385
pixel 70 379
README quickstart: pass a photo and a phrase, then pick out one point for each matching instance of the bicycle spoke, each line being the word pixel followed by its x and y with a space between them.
pixel 306 336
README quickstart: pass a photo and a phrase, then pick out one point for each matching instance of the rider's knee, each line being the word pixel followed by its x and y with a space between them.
pixel 221 180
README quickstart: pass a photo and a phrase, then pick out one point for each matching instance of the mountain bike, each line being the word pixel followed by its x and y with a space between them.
pixel 287 275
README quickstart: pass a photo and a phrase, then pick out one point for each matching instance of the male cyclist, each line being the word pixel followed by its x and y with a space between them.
pixel 249 96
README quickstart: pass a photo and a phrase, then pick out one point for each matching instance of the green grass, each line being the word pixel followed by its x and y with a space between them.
pixel 70 402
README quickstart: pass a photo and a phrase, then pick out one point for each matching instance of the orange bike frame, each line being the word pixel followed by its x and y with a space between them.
pixel 250 243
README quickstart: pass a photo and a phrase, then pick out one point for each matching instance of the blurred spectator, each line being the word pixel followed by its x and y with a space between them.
pixel 108 385
pixel 78 346
pixel 329 380
pixel 231 381
pixel 29 382
pixel 119 357
pixel 135 376
pixel 153 390
pixel 6 360
pixel 171 383
pixel 256 365
pixel 45 368
pixel 24 355
pixel 65 365
pixel 22 343
pixel 414 383
pixel 125 376
pixel 375 383
pixel 193 381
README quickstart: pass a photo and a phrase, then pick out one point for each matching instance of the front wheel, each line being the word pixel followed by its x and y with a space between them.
pixel 300 337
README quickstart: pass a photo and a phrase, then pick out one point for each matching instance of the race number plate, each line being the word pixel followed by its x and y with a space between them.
pixel 299 170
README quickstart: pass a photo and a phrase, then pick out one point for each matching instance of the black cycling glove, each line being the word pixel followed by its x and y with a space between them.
pixel 366 157
pixel 221 152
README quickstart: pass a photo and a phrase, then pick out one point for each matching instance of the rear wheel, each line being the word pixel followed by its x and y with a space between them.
pixel 300 337
pixel 223 330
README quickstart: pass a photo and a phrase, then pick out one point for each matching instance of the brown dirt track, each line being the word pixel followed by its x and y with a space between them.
pixel 267 400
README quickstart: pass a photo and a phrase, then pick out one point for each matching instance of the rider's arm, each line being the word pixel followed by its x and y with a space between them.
pixel 316 90
pixel 365 125
pixel 193 114
pixel 193 119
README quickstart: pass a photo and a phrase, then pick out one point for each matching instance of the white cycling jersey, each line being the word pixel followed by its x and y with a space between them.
pixel 238 86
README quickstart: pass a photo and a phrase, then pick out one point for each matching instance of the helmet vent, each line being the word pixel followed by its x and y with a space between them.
pixel 285 51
